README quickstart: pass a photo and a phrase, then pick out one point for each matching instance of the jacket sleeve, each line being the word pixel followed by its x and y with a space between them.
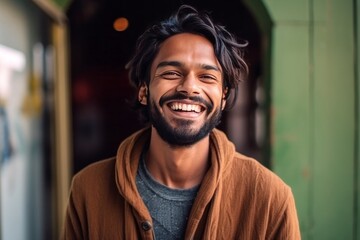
pixel 287 223
pixel 73 225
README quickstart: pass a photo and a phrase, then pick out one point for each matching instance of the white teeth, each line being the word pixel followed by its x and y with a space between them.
pixel 186 107
pixel 197 109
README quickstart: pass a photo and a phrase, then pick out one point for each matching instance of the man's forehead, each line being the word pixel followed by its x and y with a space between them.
pixel 183 65
pixel 185 48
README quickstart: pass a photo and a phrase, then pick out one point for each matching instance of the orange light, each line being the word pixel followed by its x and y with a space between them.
pixel 121 24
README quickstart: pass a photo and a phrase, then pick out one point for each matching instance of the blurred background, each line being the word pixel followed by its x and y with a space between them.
pixel 64 97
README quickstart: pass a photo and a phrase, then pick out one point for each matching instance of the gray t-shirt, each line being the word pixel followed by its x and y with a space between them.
pixel 169 208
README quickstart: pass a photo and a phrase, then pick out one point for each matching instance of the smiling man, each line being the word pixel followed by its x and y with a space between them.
pixel 181 178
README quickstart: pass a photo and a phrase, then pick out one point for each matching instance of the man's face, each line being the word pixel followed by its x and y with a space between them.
pixel 186 95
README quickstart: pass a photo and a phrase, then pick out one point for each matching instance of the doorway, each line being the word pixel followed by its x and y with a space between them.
pixel 102 117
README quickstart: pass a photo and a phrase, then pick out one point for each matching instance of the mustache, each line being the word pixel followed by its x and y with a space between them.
pixel 182 96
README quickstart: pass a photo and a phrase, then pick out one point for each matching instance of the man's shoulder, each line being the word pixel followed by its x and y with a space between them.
pixel 249 163
pixel 251 171
pixel 96 173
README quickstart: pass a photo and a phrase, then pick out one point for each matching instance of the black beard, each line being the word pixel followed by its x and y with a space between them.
pixel 182 135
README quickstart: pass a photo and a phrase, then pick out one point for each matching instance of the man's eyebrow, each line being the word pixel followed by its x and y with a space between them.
pixel 210 67
pixel 169 63
pixel 179 64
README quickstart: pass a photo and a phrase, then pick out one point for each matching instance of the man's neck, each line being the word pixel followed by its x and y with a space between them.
pixel 177 167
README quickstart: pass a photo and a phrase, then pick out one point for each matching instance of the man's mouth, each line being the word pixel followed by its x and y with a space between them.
pixel 184 107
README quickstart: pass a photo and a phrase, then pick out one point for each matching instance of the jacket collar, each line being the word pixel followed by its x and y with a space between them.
pixel 127 161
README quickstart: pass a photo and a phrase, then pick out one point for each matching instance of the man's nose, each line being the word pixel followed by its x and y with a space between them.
pixel 189 85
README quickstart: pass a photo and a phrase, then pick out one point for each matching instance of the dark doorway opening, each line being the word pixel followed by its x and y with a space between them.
pixel 101 116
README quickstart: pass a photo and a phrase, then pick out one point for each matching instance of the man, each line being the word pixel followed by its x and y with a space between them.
pixel 180 178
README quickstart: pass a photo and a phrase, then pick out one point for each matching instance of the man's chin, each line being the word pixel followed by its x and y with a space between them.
pixel 183 132
pixel 180 136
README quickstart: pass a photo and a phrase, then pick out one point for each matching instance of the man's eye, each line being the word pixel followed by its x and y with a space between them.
pixel 208 77
pixel 170 75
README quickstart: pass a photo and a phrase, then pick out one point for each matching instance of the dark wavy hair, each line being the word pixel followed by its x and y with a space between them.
pixel 229 52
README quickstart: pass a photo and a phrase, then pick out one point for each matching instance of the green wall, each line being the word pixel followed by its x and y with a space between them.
pixel 357 110
pixel 314 112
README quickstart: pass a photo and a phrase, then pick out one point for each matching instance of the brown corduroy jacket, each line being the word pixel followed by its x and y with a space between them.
pixel 238 199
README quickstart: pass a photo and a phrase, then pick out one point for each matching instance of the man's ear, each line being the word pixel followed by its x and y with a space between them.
pixel 223 102
pixel 142 94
